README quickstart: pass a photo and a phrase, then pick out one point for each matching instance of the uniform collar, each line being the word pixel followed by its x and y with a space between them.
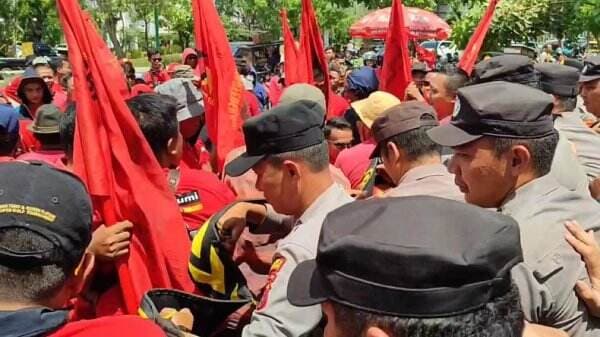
pixel 331 195
pixel 532 190
pixel 421 172
pixel 31 322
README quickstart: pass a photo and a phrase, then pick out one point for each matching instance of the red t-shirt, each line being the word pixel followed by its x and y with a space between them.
pixel 355 161
pixel 28 140
pixel 130 326
pixel 253 104
pixel 60 99
pixel 200 194
pixel 154 79
pixel 338 106
pixel 54 157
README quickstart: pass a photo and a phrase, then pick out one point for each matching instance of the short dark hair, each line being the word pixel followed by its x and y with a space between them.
pixel 541 150
pixel 316 157
pixel 51 139
pixel 152 51
pixel 30 284
pixel 66 126
pixel 156 115
pixel 415 143
pixel 455 79
pixel 336 123
pixel 330 48
pixel 8 143
pixel 503 317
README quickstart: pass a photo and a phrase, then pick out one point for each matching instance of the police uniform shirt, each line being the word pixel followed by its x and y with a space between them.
pixel 433 180
pixel 546 279
pixel 566 168
pixel 585 141
pixel 274 315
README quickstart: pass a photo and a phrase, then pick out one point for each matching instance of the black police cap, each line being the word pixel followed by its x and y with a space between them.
pixel 287 127
pixel 509 68
pixel 591 69
pixel 557 79
pixel 497 109
pixel 410 257
pixel 50 203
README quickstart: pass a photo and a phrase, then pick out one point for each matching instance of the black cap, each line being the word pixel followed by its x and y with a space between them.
pixel 497 109
pixel 509 68
pixel 51 203
pixel 427 257
pixel 591 69
pixel 288 127
pixel 557 79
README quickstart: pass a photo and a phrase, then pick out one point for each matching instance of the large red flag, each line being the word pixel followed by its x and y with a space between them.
pixel 396 71
pixel 313 53
pixel 424 55
pixel 223 94
pixel 469 57
pixel 291 52
pixel 118 167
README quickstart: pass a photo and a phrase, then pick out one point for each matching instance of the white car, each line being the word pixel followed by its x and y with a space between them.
pixel 441 48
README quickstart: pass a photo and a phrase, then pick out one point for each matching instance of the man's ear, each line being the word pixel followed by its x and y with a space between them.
pixel 375 332
pixel 393 153
pixel 291 168
pixel 520 159
pixel 82 273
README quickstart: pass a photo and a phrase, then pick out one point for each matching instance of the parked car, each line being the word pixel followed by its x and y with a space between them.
pixel 12 63
pixel 441 48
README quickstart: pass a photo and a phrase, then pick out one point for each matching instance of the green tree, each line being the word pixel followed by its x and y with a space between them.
pixel 107 14
pixel 178 17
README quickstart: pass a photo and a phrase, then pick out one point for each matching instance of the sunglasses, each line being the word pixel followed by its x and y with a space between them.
pixel 342 146
pixel 157 60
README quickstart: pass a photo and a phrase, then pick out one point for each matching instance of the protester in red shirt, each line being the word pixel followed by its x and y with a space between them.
pixel 199 194
pixel 190 57
pixel 47 73
pixel 354 162
pixel 251 100
pixel 43 259
pixel 33 93
pixel 442 96
pixel 46 130
pixel 156 75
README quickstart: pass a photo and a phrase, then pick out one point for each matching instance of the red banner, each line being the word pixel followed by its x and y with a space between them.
pixel 223 89
pixel 118 167
pixel 396 72
pixel 424 55
pixel 291 52
pixel 471 53
pixel 314 62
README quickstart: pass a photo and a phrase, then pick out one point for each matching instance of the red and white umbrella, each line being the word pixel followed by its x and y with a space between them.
pixel 423 25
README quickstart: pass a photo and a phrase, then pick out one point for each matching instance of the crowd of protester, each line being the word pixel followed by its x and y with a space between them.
pixel 468 207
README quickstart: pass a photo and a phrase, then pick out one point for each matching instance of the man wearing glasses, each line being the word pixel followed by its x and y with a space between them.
pixel 156 75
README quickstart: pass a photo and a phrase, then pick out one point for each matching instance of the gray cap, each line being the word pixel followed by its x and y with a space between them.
pixel 591 69
pixel 303 91
pixel 189 98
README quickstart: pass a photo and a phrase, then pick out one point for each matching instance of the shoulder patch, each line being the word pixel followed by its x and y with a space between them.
pixel 189 202
pixel 275 268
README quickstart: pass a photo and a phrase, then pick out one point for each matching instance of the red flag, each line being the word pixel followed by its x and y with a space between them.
pixel 396 71
pixel 313 53
pixel 118 167
pixel 291 52
pixel 223 93
pixel 469 57
pixel 425 55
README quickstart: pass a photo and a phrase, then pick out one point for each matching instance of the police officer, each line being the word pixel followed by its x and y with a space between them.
pixel 409 241
pixel 287 150
pixel 504 141
pixel 520 69
pixel 590 85
pixel 561 82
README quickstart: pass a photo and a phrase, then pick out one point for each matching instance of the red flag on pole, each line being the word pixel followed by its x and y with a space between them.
pixel 223 93
pixel 312 53
pixel 118 167
pixel 396 71
pixel 469 57
pixel 291 52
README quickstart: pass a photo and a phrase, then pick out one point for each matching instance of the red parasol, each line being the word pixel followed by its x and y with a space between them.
pixel 423 25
